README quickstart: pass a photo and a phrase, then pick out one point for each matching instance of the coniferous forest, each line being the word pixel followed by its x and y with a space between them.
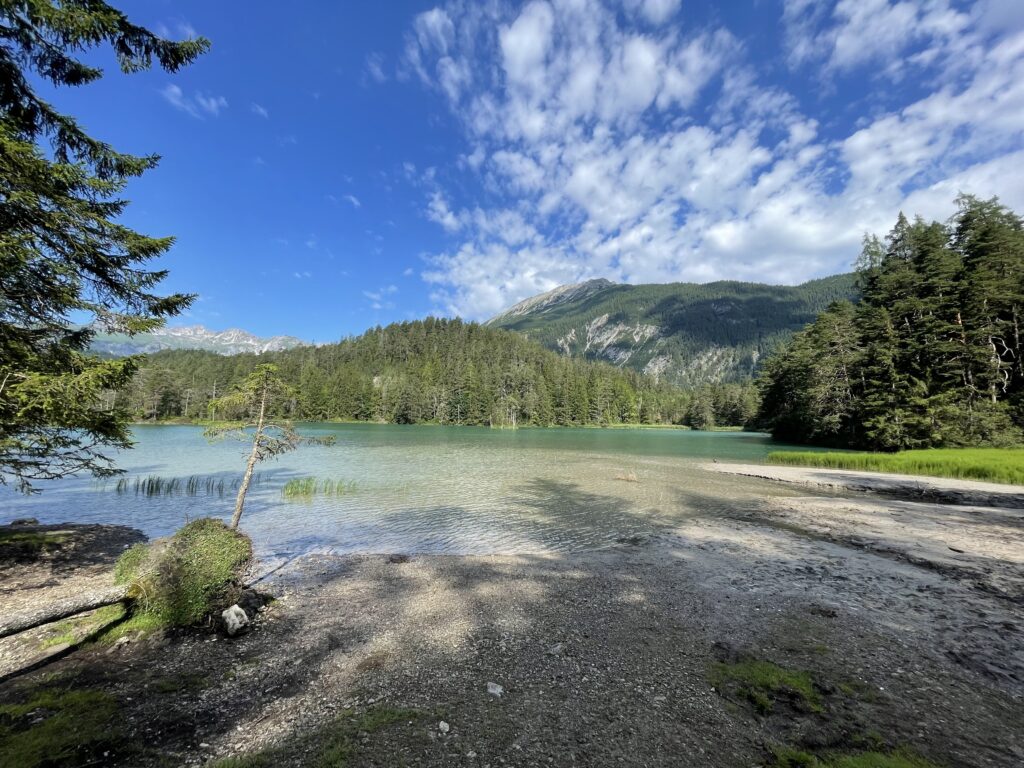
pixel 438 371
pixel 932 354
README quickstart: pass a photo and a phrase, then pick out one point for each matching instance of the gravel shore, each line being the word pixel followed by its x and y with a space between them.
pixel 907 617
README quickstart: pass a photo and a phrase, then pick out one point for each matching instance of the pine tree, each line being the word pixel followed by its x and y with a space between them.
pixel 936 355
pixel 62 250
pixel 257 405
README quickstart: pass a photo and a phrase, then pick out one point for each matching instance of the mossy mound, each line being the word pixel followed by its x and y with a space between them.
pixel 183 580
pixel 762 683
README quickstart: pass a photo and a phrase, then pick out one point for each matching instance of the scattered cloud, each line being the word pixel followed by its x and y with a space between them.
pixel 621 145
pixel 302 275
pixel 353 201
pixel 375 68
pixel 178 29
pixel 199 105
pixel 378 299
pixel 260 110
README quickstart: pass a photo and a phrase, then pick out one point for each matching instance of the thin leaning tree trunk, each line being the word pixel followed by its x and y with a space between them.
pixel 253 458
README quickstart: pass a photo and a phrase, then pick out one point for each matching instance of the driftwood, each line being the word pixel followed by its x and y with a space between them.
pixel 61 609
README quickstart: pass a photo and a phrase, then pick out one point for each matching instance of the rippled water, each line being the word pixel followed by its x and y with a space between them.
pixel 426 489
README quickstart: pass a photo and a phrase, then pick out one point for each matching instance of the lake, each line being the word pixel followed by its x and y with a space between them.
pixel 423 489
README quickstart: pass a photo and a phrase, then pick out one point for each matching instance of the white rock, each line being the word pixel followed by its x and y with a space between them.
pixel 494 689
pixel 234 619
pixel 443 727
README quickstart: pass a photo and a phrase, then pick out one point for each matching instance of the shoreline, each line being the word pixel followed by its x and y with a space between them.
pixel 681 427
pixel 943 490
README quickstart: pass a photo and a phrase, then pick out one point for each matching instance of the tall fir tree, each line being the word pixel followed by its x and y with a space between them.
pixel 936 341
pixel 63 253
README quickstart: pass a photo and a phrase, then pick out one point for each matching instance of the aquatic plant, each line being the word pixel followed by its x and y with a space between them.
pixel 307 487
pixel 194 485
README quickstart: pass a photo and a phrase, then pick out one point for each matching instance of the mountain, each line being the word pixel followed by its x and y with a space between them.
pixel 230 342
pixel 684 333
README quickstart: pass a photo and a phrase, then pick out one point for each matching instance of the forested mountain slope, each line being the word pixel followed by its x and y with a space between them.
pixel 433 370
pixel 684 333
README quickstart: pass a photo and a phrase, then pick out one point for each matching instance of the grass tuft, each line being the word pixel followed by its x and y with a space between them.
pixel 181 580
pixel 194 485
pixel 997 465
pixel 784 757
pixel 308 487
pixel 762 683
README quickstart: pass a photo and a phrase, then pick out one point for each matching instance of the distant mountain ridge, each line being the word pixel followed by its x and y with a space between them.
pixel 233 341
pixel 685 333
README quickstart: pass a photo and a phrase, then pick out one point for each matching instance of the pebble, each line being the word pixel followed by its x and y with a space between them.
pixel 443 727
pixel 495 690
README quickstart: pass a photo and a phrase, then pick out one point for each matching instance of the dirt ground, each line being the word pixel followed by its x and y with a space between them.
pixel 906 616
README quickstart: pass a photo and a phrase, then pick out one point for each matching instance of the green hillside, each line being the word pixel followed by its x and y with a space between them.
pixel 440 371
pixel 684 333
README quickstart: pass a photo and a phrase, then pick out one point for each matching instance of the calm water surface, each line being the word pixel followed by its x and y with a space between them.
pixel 427 489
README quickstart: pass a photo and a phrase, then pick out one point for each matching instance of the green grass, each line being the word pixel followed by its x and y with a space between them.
pixel 762 683
pixel 308 487
pixel 998 465
pixel 32 542
pixel 791 758
pixel 340 745
pixel 137 624
pixel 57 728
pixel 181 580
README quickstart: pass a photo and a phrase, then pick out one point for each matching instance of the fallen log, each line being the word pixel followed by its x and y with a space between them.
pixel 61 609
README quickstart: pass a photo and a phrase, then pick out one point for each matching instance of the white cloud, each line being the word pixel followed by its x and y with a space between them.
pixel 622 146
pixel 353 201
pixel 375 67
pixel 439 212
pixel 378 299
pixel 197 106
pixel 259 110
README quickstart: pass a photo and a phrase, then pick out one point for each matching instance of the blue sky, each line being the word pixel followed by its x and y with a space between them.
pixel 331 166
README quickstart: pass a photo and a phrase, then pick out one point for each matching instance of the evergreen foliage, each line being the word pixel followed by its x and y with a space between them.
pixel 63 252
pixel 252 404
pixel 932 354
pixel 439 371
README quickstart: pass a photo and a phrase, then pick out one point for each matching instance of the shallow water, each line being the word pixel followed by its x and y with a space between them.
pixel 426 489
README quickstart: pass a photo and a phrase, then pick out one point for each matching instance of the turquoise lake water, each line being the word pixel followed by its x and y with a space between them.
pixel 425 489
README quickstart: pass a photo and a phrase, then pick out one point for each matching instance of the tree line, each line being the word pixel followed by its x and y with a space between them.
pixel 931 356
pixel 434 371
